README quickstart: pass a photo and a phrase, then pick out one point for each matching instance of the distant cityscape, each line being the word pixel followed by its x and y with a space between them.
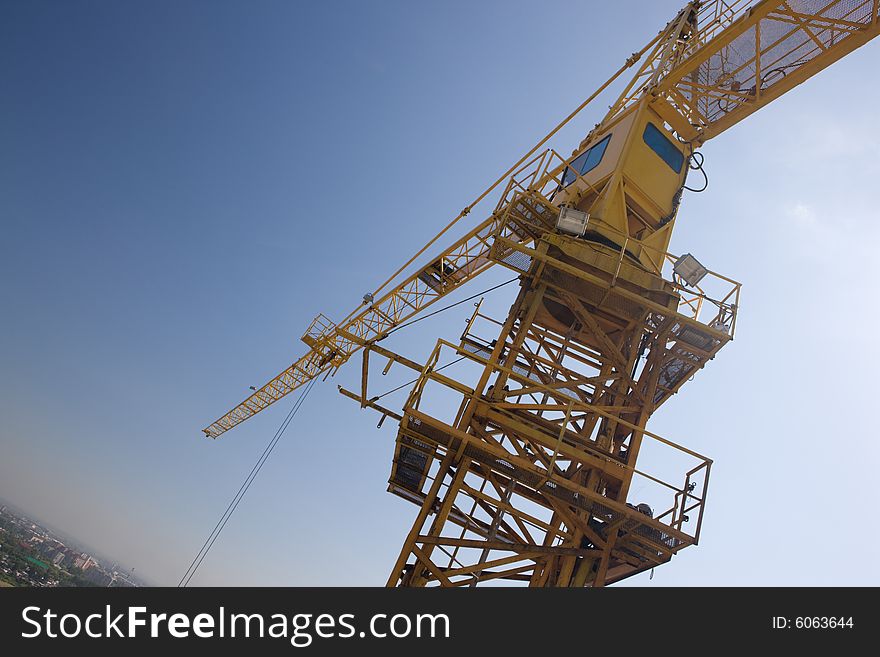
pixel 33 555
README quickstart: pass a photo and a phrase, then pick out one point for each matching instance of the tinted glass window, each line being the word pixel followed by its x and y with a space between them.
pixel 661 145
pixel 586 161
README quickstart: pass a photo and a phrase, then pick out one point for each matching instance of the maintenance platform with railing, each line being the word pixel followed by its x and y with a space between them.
pixel 528 453
pixel 531 476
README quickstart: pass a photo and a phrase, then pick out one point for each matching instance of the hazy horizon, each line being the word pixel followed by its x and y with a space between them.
pixel 93 550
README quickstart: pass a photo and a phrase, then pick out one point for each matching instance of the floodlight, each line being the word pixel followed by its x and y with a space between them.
pixel 689 269
pixel 573 222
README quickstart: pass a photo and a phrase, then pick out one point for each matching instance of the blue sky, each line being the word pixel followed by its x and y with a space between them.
pixel 185 185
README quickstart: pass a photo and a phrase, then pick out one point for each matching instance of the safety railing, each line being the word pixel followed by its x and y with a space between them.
pixel 713 301
pixel 683 504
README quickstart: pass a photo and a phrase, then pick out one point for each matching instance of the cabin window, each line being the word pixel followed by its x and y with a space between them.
pixel 585 162
pixel 660 144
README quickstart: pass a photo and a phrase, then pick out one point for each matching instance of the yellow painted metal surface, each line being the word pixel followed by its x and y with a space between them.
pixel 529 479
pixel 763 49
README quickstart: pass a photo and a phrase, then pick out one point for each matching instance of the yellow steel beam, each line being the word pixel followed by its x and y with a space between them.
pixel 508 547
pixel 462 261
pixel 724 60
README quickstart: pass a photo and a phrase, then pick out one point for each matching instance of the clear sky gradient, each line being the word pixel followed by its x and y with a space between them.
pixel 185 185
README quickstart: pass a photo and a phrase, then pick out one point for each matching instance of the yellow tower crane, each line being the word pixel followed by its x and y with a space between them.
pixel 529 478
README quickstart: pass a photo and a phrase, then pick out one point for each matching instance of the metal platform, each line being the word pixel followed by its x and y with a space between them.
pixel 530 479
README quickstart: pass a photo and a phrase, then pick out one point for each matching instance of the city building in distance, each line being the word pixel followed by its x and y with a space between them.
pixel 33 555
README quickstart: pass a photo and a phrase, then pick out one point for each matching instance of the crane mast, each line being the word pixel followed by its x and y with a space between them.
pixel 530 478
